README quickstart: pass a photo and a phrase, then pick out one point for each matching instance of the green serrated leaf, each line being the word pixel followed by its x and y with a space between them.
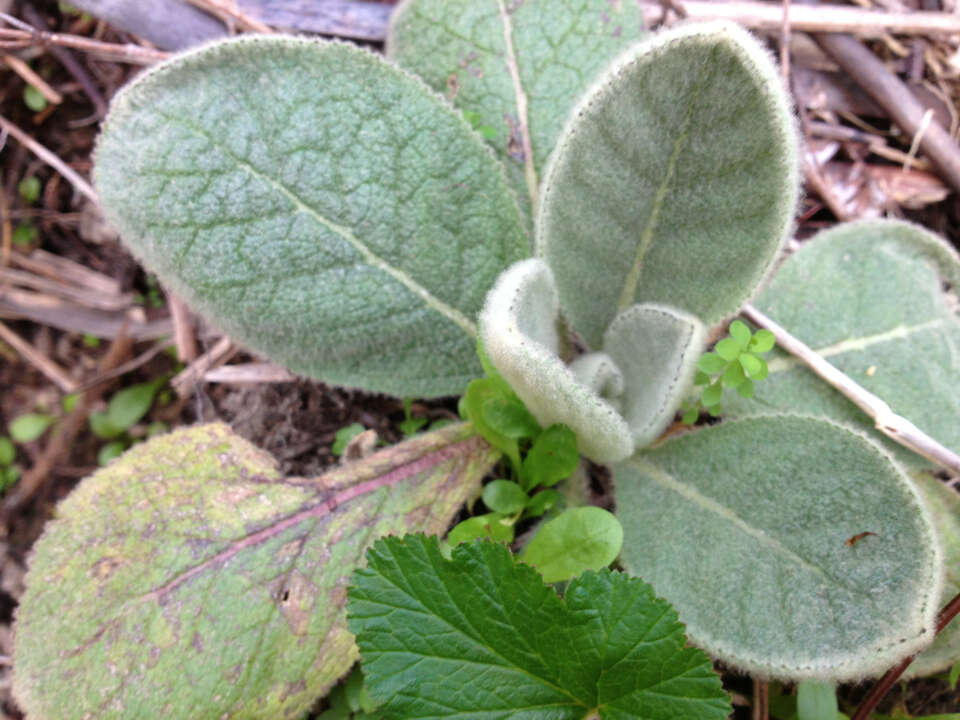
pixel 743 526
pixel 741 333
pixel 710 364
pixel 869 297
pixel 509 417
pixel 222 603
pixel 29 426
pixel 762 341
pixel 816 701
pixel 8 452
pixel 687 208
pixel 733 376
pixel 608 649
pixel 504 496
pixel 325 208
pixel 481 526
pixel 583 538
pixel 728 348
pixel 518 327
pixel 517 66
pixel 552 457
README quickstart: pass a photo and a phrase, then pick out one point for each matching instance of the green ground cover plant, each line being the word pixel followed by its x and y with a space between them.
pixel 587 203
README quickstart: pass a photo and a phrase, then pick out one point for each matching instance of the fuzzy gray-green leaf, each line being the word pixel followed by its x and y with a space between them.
pixel 674 182
pixel 869 297
pixel 657 348
pixel 518 67
pixel 318 204
pixel 744 528
pixel 518 330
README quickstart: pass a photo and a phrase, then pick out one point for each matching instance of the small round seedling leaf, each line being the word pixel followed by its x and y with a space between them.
pixel 481 636
pixel 102 427
pixel 552 457
pixel 733 376
pixel 713 394
pixel 728 348
pixel 110 451
pixel 710 364
pixel 755 366
pixel 343 436
pixel 481 526
pixel 34 99
pixel 583 538
pixel 701 378
pixel 29 189
pixel 745 389
pixel 7 451
pixel 508 417
pixel 541 502
pixel 29 426
pixel 504 496
pixel 740 332
pixel 762 341
pixel 9 476
pixel 128 406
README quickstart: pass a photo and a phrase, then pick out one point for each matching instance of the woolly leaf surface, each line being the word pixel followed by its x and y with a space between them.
pixel 944 506
pixel 657 348
pixel 481 636
pixel 318 204
pixel 518 327
pixel 514 68
pixel 189 579
pixel 869 297
pixel 674 181
pixel 744 528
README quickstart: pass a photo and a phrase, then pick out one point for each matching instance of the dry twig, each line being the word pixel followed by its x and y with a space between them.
pixel 895 427
pixel 19 38
pixel 233 13
pixel 184 382
pixel 31 78
pixel 41 362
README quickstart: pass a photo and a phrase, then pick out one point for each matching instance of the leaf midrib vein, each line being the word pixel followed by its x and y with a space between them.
pixel 431 300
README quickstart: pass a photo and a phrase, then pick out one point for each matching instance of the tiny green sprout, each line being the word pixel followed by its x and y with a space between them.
pixel 734 363
pixel 29 426
pixel 110 451
pixel 34 99
pixel 29 189
pixel 410 425
pixel 343 436
pixel 476 122
pixel 7 451
pixel 25 235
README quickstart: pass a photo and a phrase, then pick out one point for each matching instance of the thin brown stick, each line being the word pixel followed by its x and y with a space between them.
pixel 895 427
pixel 785 44
pixel 897 100
pixel 184 383
pixel 761 700
pixel 129 366
pixel 31 78
pixel 182 329
pixel 81 185
pixel 877 692
pixel 230 10
pixel 812 18
pixel 13 39
pixel 41 362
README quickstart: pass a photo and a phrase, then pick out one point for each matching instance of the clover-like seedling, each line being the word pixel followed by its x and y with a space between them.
pixel 736 363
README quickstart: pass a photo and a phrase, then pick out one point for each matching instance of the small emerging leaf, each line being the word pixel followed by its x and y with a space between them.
pixel 701 378
pixel 110 451
pixel 710 364
pixel 763 341
pixel 728 348
pixel 101 426
pixel 7 451
pixel 745 389
pixel 741 333
pixel 690 416
pixel 504 496
pixel 541 502
pixel 129 405
pixel 583 538
pixel 713 394
pixel 733 376
pixel 508 417
pixel 755 366
pixel 481 636
pixel 552 457
pixel 481 526
pixel 477 394
pixel 29 426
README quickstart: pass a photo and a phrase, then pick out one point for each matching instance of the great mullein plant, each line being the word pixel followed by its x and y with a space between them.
pixel 580 185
